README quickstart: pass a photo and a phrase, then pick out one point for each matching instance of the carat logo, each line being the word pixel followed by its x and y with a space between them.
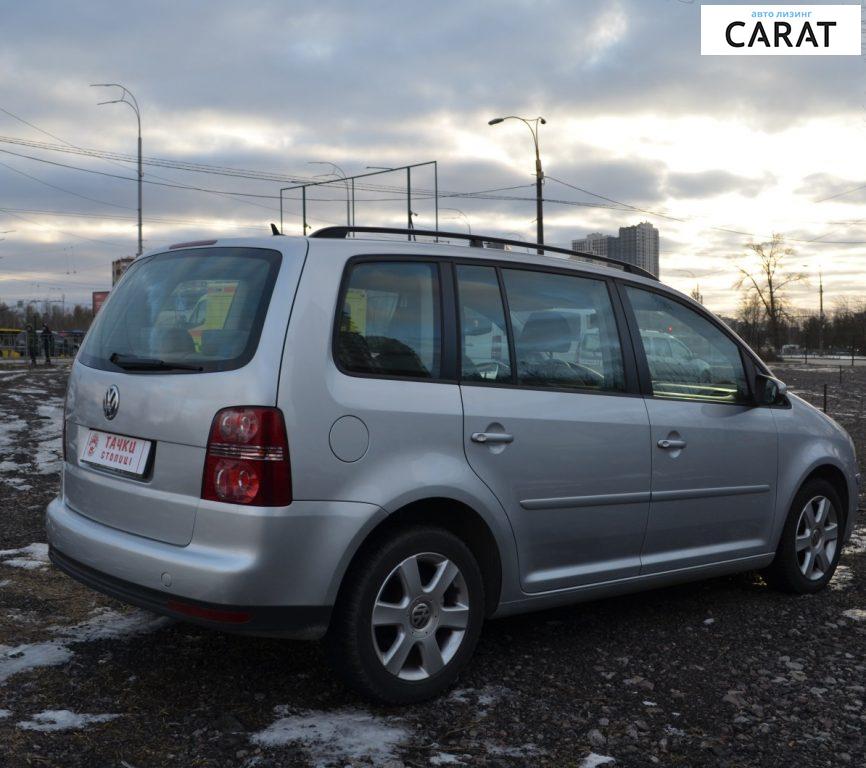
pixel 780 30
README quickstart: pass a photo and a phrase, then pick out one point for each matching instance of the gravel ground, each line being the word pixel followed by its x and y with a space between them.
pixel 723 672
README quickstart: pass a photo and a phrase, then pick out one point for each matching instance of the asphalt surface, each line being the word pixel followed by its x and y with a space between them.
pixel 723 672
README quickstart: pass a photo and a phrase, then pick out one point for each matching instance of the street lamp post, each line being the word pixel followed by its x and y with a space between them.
pixel 460 213
pixel 532 124
pixel 133 103
pixel 341 174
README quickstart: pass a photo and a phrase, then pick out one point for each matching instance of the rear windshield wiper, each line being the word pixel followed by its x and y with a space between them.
pixel 132 363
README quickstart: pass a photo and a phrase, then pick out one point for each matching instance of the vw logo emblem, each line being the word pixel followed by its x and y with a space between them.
pixel 111 402
pixel 420 615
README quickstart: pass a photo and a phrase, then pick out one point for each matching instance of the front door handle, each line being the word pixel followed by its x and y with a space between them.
pixel 492 437
pixel 669 444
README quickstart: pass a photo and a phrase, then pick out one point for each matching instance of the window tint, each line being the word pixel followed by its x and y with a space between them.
pixel 688 356
pixel 484 338
pixel 202 307
pixel 564 331
pixel 390 323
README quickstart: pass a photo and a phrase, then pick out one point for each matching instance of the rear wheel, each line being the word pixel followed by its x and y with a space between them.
pixel 809 549
pixel 408 616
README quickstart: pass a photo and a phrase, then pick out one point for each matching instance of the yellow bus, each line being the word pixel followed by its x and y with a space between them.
pixel 12 342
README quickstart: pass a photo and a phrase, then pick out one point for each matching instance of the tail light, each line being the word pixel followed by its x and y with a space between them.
pixel 247 458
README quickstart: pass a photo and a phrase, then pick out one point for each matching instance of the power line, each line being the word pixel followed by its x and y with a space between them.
pixel 63 189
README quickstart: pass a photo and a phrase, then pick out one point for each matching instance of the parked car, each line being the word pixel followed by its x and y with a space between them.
pixel 383 443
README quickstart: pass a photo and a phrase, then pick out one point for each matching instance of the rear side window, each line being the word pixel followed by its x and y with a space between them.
pixel 688 356
pixel 565 333
pixel 199 309
pixel 390 321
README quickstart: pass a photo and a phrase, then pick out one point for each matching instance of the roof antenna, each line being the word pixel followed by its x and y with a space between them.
pixel 274 230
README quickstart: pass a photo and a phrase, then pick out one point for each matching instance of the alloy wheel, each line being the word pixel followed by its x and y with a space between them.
pixel 420 616
pixel 817 537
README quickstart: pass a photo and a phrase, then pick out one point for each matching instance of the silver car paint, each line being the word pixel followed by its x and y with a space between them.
pixel 417 449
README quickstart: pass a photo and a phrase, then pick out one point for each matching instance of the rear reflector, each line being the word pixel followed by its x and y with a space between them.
pixel 198 612
pixel 247 459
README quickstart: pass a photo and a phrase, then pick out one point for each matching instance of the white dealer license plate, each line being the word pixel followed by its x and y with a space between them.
pixel 118 452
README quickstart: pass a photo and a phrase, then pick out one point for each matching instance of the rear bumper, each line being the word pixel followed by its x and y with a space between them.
pixel 302 622
pixel 280 566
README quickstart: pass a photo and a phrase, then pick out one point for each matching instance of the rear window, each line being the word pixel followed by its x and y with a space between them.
pixel 201 309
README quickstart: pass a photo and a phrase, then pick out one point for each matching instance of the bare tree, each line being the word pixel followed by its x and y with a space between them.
pixel 768 282
pixel 749 317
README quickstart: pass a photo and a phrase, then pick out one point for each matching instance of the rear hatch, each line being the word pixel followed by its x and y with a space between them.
pixel 185 333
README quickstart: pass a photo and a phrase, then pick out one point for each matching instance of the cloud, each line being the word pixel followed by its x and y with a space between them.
pixel 704 184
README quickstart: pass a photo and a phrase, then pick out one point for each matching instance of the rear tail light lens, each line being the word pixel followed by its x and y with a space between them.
pixel 247 458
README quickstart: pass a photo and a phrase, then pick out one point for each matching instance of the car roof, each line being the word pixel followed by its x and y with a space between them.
pixel 370 245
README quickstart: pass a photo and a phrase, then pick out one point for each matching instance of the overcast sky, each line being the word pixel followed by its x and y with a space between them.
pixel 702 144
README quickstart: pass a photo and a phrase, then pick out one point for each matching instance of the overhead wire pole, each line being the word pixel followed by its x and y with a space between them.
pixel 539 174
pixel 133 104
pixel 378 171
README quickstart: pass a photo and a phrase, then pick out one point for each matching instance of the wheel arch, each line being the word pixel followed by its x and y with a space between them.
pixel 825 469
pixel 837 478
pixel 454 516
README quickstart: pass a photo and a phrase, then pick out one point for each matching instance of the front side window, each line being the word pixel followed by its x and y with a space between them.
pixel 195 310
pixel 390 320
pixel 688 356
pixel 484 335
pixel 565 333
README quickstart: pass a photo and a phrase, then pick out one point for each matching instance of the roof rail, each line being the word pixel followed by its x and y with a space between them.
pixel 477 241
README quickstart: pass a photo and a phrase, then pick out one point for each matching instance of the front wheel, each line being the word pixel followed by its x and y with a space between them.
pixel 809 549
pixel 408 616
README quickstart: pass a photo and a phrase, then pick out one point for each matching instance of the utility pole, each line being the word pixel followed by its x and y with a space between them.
pixel 133 104
pixel 820 312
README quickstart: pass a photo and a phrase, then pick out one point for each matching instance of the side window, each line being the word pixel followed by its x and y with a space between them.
pixel 483 331
pixel 390 320
pixel 688 356
pixel 565 334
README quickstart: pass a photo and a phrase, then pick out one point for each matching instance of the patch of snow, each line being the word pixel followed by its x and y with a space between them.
pixel 4 713
pixel 443 758
pixel 62 720
pixel 483 697
pixel 842 578
pixel 526 750
pixel 857 543
pixel 592 760
pixel 333 738
pixel 648 703
pixel 9 428
pixel 5 582
pixel 671 730
pixel 35 556
pixel 104 625
pixel 708 622
pixel 858 614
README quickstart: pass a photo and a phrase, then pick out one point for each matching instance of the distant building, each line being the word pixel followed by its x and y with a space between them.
pixel 595 243
pixel 118 267
pixel 638 245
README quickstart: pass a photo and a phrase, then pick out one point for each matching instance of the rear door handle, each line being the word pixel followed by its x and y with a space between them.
pixel 668 444
pixel 492 437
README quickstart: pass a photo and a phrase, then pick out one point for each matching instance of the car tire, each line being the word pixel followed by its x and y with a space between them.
pixel 811 541
pixel 423 589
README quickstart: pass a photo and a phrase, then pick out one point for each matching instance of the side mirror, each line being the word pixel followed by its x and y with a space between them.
pixel 769 391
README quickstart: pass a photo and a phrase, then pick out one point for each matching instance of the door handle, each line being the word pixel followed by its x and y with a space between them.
pixel 492 437
pixel 669 444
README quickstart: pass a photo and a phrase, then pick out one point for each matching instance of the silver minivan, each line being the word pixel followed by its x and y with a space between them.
pixel 384 442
